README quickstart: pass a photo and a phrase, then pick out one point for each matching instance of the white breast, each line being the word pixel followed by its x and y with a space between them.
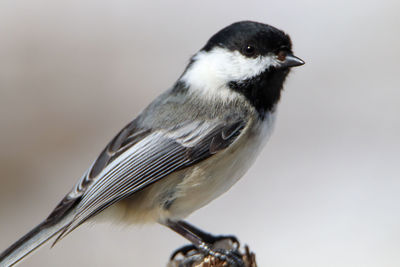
pixel 216 175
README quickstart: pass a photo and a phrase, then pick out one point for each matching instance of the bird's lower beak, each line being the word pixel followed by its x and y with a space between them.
pixel 292 61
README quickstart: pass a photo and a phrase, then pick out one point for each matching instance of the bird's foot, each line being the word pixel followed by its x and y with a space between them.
pixel 230 256
pixel 221 248
pixel 211 242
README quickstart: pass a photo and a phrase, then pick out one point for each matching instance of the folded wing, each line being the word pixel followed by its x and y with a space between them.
pixel 129 164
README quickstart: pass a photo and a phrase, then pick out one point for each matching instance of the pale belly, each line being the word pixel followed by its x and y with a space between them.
pixel 179 194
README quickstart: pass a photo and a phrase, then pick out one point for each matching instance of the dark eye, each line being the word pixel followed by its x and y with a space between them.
pixel 249 50
pixel 282 55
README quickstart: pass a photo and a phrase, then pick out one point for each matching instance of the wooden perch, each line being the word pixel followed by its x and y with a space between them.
pixel 195 258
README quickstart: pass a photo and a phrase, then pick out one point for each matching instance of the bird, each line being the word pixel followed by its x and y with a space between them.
pixel 187 147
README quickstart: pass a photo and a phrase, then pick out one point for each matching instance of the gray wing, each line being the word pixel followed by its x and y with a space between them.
pixel 137 158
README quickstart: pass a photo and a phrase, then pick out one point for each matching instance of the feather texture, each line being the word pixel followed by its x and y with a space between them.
pixel 154 157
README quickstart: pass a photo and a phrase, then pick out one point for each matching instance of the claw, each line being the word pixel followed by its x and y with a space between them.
pixel 183 250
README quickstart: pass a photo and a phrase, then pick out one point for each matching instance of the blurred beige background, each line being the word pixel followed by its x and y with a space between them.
pixel 324 192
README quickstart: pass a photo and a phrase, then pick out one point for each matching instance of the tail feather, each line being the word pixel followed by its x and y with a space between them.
pixel 31 241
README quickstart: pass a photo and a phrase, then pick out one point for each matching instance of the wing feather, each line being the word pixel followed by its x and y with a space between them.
pixel 156 155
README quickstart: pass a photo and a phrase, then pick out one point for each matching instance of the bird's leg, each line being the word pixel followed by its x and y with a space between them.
pixel 209 238
pixel 204 242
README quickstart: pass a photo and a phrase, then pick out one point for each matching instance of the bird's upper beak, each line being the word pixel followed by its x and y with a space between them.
pixel 291 61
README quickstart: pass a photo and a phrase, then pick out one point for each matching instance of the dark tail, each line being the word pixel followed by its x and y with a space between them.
pixel 31 241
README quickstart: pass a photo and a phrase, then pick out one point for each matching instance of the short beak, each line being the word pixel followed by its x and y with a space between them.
pixel 291 61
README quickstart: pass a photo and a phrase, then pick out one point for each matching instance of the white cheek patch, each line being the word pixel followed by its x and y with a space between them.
pixel 211 71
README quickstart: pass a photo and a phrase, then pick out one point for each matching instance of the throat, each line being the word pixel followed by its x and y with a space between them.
pixel 262 91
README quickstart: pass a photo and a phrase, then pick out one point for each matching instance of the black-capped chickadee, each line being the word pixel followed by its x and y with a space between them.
pixel 190 145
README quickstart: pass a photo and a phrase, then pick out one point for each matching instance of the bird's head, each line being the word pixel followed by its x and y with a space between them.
pixel 247 57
